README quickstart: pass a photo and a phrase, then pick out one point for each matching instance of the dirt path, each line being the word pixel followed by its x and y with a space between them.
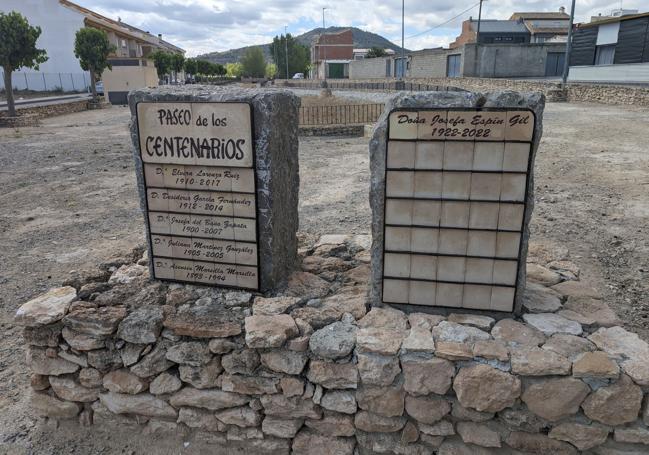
pixel 69 202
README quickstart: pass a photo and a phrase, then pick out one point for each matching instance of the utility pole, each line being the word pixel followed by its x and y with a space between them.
pixel 324 46
pixel 477 41
pixel 403 49
pixel 477 34
pixel 286 51
pixel 566 60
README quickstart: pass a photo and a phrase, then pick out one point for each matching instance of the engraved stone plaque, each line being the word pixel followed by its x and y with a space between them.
pixel 200 186
pixel 454 208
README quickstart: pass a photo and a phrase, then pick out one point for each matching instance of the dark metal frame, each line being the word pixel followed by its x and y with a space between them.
pixel 524 202
pixel 254 169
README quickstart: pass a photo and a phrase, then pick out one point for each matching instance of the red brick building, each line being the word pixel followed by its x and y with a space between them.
pixel 337 49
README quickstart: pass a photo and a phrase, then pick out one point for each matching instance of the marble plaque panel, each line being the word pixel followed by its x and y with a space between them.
pixel 210 134
pixel 234 179
pixel 456 184
pixel 199 175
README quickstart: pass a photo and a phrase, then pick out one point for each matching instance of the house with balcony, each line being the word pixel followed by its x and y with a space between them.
pixel 59 21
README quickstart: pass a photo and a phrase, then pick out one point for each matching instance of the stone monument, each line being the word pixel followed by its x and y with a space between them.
pixel 451 197
pixel 218 180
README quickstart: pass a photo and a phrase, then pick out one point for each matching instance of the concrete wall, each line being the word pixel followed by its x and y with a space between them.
pixel 633 72
pixel 369 68
pixel 507 60
pixel 121 79
pixel 431 63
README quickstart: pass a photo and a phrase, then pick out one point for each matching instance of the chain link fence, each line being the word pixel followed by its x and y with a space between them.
pixel 48 82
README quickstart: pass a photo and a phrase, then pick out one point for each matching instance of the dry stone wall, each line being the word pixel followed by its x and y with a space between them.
pixel 311 371
pixel 590 93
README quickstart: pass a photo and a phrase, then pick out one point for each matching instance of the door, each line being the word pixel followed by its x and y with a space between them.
pixel 336 70
pixel 554 64
pixel 453 65
pixel 388 67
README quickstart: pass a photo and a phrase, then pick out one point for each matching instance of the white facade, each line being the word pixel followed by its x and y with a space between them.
pixel 625 73
pixel 58 28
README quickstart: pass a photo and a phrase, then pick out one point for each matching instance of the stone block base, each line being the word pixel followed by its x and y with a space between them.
pixel 313 372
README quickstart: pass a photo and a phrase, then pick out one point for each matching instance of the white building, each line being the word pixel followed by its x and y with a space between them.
pixel 58 27
pixel 59 21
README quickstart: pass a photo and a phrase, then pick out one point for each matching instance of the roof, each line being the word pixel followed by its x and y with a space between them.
pixel 498 26
pixel 540 15
pixel 552 30
pixel 614 19
pixel 120 27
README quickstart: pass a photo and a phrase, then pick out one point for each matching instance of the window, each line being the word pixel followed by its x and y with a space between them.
pixel 123 43
pixel 605 55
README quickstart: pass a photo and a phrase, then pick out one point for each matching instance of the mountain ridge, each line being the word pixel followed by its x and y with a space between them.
pixel 361 38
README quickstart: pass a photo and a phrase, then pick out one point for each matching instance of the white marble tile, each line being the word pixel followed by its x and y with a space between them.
pixel 395 291
pixel 397 238
pixel 396 265
pixel 488 156
pixel 401 155
pixel 398 211
pixel 455 214
pixel 400 184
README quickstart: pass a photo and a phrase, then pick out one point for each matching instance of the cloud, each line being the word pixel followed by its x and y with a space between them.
pixel 201 26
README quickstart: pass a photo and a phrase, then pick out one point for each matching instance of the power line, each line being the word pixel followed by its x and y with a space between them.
pixel 443 23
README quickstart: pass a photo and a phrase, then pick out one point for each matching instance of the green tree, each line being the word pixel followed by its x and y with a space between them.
pixel 271 70
pixel 177 64
pixel 220 70
pixel 162 62
pixel 17 50
pixel 92 48
pixel 375 52
pixel 253 62
pixel 190 66
pixel 202 67
pixel 299 58
pixel 233 70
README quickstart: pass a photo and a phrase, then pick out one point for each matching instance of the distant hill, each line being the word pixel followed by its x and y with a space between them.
pixel 362 39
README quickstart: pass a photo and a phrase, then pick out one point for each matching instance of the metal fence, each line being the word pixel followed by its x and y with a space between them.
pixel 48 82
pixel 340 114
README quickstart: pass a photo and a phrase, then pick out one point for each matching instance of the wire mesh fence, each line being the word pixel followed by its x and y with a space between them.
pixel 48 82
pixel 340 114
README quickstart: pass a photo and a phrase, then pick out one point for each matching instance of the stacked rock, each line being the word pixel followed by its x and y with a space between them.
pixel 311 371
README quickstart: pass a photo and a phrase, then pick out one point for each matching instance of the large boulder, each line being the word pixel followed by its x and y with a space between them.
pixel 46 308
pixel 485 388
pixel 142 404
pixel 142 326
pixel 616 404
pixel 333 341
pixel 205 319
pixel 556 398
pixel 269 331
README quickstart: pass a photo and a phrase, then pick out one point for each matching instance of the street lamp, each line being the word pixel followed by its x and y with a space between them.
pixel 324 46
pixel 403 49
pixel 566 60
pixel 286 50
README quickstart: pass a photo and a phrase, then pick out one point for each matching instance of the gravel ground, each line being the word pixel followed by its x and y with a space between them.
pixel 69 202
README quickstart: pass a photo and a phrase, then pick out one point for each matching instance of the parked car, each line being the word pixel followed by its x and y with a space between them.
pixel 99 86
pixel 298 76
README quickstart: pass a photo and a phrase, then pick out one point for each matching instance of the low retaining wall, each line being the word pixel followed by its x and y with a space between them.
pixel 593 93
pixel 29 116
pixel 332 130
pixel 313 372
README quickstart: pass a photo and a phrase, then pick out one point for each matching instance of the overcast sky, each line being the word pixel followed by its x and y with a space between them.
pixel 201 26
